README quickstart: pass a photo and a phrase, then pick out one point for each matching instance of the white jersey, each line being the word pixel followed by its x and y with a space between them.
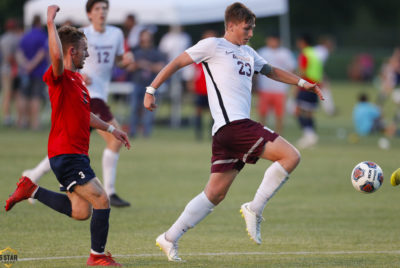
pixel 279 57
pixel 229 70
pixel 322 52
pixel 102 48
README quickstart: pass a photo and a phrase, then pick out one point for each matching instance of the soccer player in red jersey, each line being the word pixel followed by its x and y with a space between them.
pixel 68 145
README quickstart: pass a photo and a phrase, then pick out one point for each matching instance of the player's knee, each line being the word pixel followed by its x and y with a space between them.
pixel 292 159
pixel 102 201
pixel 216 197
pixel 296 157
pixel 82 214
pixel 114 145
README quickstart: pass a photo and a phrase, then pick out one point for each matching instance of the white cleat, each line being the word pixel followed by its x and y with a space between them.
pixel 170 249
pixel 253 222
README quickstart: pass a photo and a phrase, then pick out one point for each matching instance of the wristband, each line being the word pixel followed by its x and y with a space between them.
pixel 301 82
pixel 150 90
pixel 110 128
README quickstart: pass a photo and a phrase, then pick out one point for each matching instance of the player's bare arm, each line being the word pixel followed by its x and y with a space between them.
pixel 120 135
pixel 179 62
pixel 55 47
pixel 290 78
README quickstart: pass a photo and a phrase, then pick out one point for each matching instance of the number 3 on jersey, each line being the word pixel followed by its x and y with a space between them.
pixel 245 68
pixel 103 57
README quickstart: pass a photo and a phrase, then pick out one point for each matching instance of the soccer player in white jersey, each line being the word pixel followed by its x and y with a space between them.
pixel 229 65
pixel 106 47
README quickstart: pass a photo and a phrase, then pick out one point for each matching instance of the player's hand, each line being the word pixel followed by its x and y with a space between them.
pixel 127 58
pixel 314 88
pixel 149 102
pixel 122 137
pixel 52 11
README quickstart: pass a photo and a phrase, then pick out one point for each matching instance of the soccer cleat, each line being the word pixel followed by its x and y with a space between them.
pixel 395 178
pixel 116 201
pixel 170 249
pixel 253 222
pixel 25 188
pixel 102 260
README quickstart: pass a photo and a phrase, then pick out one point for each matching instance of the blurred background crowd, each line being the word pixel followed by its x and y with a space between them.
pixel 349 41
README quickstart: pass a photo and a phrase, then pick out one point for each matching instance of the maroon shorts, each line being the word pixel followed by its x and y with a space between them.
pixel 101 109
pixel 237 143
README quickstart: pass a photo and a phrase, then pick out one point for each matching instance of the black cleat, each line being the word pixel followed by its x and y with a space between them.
pixel 116 201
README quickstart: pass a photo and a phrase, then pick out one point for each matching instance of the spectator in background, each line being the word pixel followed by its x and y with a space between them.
pixel 272 94
pixel 361 68
pixel 325 47
pixel 199 88
pixel 389 76
pixel 148 62
pixel 32 59
pixel 132 30
pixel 9 71
pixel 366 116
pixel 311 70
pixel 172 44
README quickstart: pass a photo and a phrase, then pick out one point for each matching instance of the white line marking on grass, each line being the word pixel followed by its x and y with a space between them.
pixel 226 254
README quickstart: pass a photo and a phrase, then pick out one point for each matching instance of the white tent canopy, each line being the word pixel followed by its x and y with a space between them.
pixel 181 12
pixel 162 12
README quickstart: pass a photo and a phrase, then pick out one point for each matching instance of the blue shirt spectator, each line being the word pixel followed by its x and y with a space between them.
pixel 365 116
pixel 31 43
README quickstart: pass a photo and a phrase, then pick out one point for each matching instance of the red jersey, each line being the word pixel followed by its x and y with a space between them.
pixel 200 85
pixel 70 113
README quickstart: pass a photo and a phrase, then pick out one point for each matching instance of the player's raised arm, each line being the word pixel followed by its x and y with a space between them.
pixel 55 47
pixel 290 78
pixel 179 62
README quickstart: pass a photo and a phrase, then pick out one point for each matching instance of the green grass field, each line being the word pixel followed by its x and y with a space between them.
pixel 316 220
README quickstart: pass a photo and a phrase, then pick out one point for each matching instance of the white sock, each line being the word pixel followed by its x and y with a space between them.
pixel 95 252
pixel 275 176
pixel 110 160
pixel 196 210
pixel 37 172
pixel 34 192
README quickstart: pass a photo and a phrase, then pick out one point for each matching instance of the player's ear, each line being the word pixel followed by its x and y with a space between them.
pixel 229 26
pixel 72 50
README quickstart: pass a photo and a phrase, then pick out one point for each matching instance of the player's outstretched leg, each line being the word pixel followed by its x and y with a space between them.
pixel 286 158
pixel 196 210
pixel 395 178
pixel 25 189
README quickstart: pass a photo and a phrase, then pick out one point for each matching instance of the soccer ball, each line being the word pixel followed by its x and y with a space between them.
pixel 367 177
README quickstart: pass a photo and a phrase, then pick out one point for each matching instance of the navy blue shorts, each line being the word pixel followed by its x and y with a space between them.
pixel 71 170
pixel 307 100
